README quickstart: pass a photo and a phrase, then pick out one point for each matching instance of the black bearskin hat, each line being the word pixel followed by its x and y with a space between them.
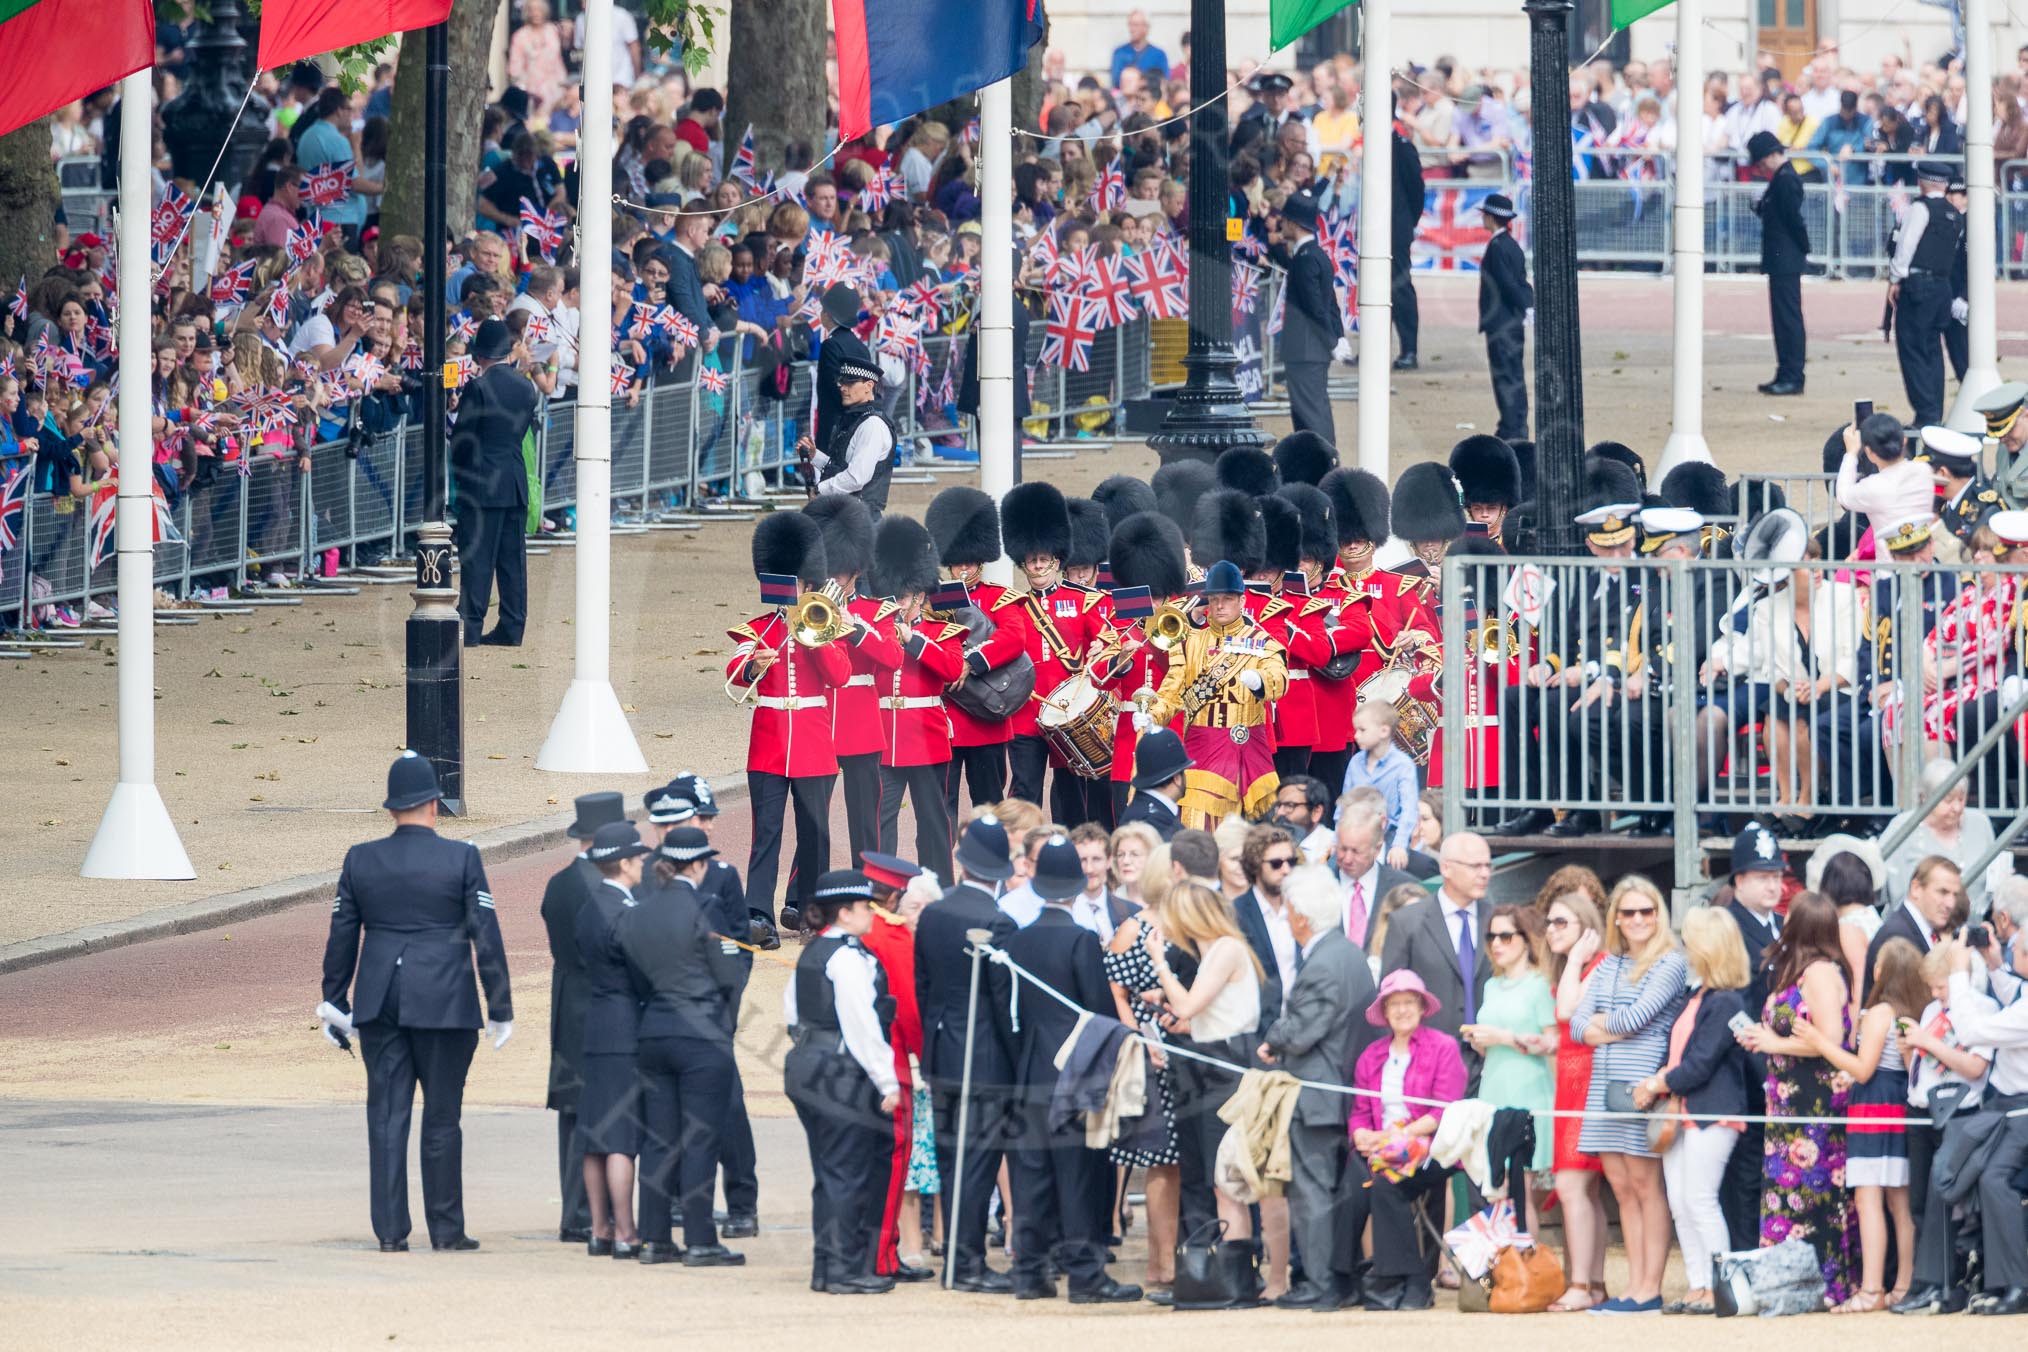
pixel 1090 533
pixel 1284 527
pixel 1122 495
pixel 1304 458
pixel 965 525
pixel 790 543
pixel 1608 483
pixel 1359 505
pixel 1426 504
pixel 848 532
pixel 1228 525
pixel 1319 524
pixel 1487 471
pixel 904 557
pixel 1698 486
pixel 1246 470
pixel 1624 454
pixel 1147 551
pixel 1034 519
pixel 1178 485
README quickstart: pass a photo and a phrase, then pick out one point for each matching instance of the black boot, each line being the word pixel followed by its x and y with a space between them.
pixel 1576 825
pixel 1532 822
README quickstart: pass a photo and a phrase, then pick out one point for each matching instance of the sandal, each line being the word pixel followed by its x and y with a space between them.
pixel 1572 1300
pixel 1862 1302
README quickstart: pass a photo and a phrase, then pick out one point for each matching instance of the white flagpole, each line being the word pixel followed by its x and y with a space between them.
pixel 590 734
pixel 996 300
pixel 1982 350
pixel 1376 228
pixel 136 838
pixel 1686 431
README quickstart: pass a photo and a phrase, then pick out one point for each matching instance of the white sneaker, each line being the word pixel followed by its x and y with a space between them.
pixel 95 611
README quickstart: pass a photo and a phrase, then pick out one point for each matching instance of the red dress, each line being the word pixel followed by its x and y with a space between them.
pixel 1573 1078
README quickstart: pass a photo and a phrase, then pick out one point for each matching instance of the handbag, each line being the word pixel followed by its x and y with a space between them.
pixel 1783 1279
pixel 1213 1273
pixel 1525 1281
pixel 1665 1123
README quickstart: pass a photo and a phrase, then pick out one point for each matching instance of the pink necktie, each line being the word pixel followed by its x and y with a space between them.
pixel 1355 914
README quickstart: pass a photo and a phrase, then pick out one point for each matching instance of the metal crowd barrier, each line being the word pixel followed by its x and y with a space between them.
pixel 1739 711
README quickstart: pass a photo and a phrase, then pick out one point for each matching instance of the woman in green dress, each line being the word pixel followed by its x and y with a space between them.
pixel 1516 1031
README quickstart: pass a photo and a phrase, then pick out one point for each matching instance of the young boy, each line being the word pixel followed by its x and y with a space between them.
pixel 1380 764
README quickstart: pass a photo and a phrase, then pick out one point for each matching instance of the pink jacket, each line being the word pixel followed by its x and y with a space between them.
pixel 1436 1070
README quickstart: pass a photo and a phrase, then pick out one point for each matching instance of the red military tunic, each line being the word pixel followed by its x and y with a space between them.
pixel 1146 666
pixel 1057 627
pixel 893 944
pixel 1272 614
pixel 1337 700
pixel 855 706
pixel 792 714
pixel 1310 646
pixel 913 719
pixel 1008 640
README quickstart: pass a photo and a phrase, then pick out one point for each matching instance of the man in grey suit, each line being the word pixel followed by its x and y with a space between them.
pixel 1318 1038
pixel 1363 880
pixel 1443 940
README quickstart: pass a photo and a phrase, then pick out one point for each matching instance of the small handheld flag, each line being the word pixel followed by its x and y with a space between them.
pixel 1133 603
pixel 1295 584
pixel 779 589
pixel 950 596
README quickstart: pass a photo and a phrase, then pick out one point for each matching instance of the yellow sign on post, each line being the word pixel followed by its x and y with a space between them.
pixel 1235 229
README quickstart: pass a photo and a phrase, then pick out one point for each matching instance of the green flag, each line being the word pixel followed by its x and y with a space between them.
pixel 1624 12
pixel 1290 19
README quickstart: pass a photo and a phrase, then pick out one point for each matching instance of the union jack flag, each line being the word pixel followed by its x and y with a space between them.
pixel 18 307
pixel 278 307
pixel 1070 269
pixel 1111 188
pixel 540 329
pixel 1245 288
pixel 623 377
pixel 464 328
pixel 1249 245
pixel 458 371
pixel 329 185
pixel 825 259
pixel 925 294
pixel 100 338
pixel 1110 289
pixel 885 186
pixel 13 506
pixel 680 327
pixel 366 368
pixel 743 159
pixel 1279 310
pixel 711 378
pixel 544 227
pixel 232 286
pixel 1068 336
pixel 1453 234
pixel 301 245
pixel 7 365
pixel 264 409
pixel 166 223
pixel 1157 282
pixel 1042 252
pixel 57 365
pixel 644 321
pixel 412 356
pixel 105 517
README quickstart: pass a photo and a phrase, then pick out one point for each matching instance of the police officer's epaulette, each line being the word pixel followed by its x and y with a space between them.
pixel 887 607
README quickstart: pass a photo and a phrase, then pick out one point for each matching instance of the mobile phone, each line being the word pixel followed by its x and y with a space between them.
pixel 1739 1022
pixel 1862 409
pixel 1978 937
pixel 1477 528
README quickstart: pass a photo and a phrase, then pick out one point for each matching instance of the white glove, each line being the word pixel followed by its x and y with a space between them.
pixel 1528 317
pixel 1143 723
pixel 1960 310
pixel 334 1017
pixel 728 947
pixel 1251 680
pixel 499 1032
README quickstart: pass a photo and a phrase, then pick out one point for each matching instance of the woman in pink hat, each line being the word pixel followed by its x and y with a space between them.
pixel 1404 1079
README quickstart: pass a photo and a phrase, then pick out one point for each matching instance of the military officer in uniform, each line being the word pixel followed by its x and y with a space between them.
pixel 915 753
pixel 1489 483
pixel 566 893
pixel 875 656
pixel 1784 255
pixel 1919 287
pixel 413 911
pixel 1506 303
pixel 1965 496
pixel 965 524
pixel 490 486
pixel 2001 408
pixel 1311 324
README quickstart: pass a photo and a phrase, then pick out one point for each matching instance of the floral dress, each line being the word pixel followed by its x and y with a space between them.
pixel 1804 1194
pixel 922 1145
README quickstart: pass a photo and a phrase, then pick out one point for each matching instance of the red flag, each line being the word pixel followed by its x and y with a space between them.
pixel 294 29
pixel 56 51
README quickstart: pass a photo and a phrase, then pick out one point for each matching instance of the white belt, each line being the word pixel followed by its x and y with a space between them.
pixel 790 703
pixel 913 702
pixel 1298 674
pixel 1125 706
pixel 866 680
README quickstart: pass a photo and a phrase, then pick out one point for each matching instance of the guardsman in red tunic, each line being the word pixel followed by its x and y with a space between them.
pixel 965 524
pixel 1079 799
pixel 1489 484
pixel 1408 614
pixel 1359 510
pixel 1317 642
pixel 789 756
pixel 855 707
pixel 1061 624
pixel 1146 551
pixel 915 755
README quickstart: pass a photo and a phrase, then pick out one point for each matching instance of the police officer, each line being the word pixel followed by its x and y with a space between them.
pixel 1957 333
pixel 1409 196
pixel 567 892
pixel 838 345
pixel 609 1116
pixel 857 459
pixel 1919 288
pixel 423 905
pixel 1965 496
pixel 1311 324
pixel 490 481
pixel 1506 302
pixel 840 1077
pixel 1784 254
pixel 687 978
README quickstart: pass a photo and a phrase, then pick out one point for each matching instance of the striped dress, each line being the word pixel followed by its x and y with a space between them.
pixel 1876 1142
pixel 1645 1010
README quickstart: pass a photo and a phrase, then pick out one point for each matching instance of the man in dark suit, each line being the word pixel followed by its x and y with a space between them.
pixel 686 289
pixel 1757 872
pixel 1443 940
pixel 1506 302
pixel 1266 857
pixel 1054 1175
pixel 1363 879
pixel 1923 918
pixel 1408 201
pixel 422 904
pixel 943 992
pixel 1159 763
pixel 489 488
pixel 566 893
pixel 1784 254
pixel 1319 1036
pixel 1311 324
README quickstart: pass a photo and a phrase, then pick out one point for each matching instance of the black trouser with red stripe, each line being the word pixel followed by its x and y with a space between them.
pixel 923 786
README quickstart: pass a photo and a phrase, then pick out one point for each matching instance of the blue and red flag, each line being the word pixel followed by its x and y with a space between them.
pixel 950 596
pixel 1133 603
pixel 779 589
pixel 898 57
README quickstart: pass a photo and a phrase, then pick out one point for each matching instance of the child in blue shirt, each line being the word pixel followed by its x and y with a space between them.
pixel 1380 764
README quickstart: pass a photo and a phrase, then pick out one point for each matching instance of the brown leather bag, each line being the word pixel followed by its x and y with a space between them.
pixel 1525 1281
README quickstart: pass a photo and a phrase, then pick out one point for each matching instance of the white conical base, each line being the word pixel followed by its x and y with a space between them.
pixel 1979 382
pixel 1681 449
pixel 136 839
pixel 590 735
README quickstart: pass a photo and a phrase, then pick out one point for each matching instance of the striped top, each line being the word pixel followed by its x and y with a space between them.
pixel 1645 1010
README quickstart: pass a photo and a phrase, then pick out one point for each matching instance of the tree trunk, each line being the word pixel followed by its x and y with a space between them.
pixel 401 210
pixel 1026 93
pixel 775 77
pixel 28 198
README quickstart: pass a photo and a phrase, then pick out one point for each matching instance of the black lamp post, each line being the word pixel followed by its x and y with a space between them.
pixel 1209 414
pixel 197 122
pixel 1552 233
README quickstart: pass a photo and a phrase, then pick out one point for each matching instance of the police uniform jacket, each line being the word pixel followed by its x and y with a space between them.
pixel 791 709
pixel 495 412
pixel 423 904
pixel 839 346
pixel 568 891
pixel 676 969
pixel 874 654
pixel 1311 325
pixel 1784 236
pixel 943 987
pixel 1505 297
pixel 1005 643
pixel 1409 196
pixel 914 724
pixel 723 897
pixel 1145 807
pixel 1143 666
pixel 1058 627
pixel 612 1013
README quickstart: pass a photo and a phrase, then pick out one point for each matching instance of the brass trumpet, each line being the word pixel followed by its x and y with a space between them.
pixel 1168 627
pixel 819 617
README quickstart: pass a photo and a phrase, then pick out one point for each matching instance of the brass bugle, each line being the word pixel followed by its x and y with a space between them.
pixel 819 617
pixel 1168 626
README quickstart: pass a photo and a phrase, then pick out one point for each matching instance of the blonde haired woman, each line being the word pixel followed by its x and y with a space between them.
pixel 1629 1005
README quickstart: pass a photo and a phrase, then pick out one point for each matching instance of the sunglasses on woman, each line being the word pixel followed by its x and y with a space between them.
pixel 1630 912
pixel 1501 936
